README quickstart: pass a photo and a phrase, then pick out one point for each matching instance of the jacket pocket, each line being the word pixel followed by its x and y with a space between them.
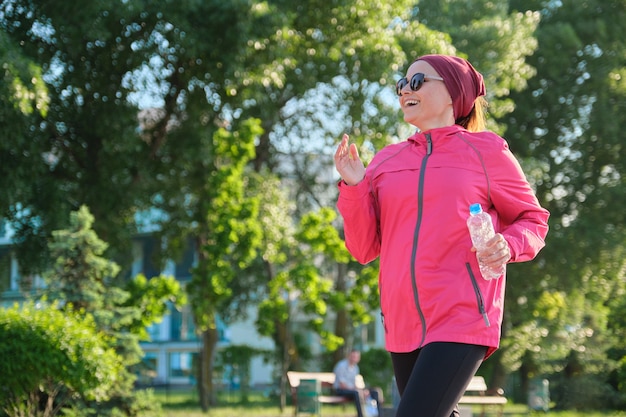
pixel 382 320
pixel 382 313
pixel 480 301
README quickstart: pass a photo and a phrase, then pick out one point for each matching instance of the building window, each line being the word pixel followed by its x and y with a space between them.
pixel 154 331
pixel 182 326
pixel 176 325
pixel 181 364
pixel 187 261
pixel 137 265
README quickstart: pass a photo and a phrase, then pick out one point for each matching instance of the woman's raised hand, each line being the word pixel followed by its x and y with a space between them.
pixel 348 163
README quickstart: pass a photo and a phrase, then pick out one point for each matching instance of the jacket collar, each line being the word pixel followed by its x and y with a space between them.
pixel 439 132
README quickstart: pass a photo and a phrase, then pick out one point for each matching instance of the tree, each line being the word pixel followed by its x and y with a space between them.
pixel 227 240
pixel 26 96
pixel 251 62
pixel 62 357
pixel 561 119
pixel 307 72
pixel 86 282
pixel 352 297
pixel 81 146
pixel 565 128
pixel 24 100
pixel 95 58
pixel 304 284
pixel 494 38
pixel 237 358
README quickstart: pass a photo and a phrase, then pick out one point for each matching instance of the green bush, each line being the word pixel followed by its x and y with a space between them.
pixel 377 369
pixel 52 357
pixel 587 392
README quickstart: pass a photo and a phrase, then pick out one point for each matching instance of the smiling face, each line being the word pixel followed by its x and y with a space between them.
pixel 430 106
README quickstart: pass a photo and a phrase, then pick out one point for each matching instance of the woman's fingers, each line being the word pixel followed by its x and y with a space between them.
pixel 342 149
pixel 347 162
pixel 353 152
pixel 497 252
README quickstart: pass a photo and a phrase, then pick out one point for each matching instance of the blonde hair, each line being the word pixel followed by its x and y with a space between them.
pixel 475 121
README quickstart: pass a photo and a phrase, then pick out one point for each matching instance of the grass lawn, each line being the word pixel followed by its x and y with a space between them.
pixel 184 403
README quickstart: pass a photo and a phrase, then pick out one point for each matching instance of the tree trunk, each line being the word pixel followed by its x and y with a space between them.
pixel 498 375
pixel 284 386
pixel 201 378
pixel 341 322
pixel 210 341
pixel 524 380
pixel 206 391
pixel 284 339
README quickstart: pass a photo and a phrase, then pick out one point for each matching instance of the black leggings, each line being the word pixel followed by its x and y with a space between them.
pixel 431 380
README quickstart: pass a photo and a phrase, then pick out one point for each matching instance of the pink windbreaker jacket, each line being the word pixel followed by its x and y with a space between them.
pixel 411 210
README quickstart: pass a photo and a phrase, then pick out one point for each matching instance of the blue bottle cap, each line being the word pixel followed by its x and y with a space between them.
pixel 475 208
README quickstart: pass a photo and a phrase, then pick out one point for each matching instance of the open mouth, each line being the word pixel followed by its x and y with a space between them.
pixel 410 103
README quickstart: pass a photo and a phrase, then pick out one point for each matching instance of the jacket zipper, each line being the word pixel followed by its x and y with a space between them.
pixel 420 203
pixel 479 295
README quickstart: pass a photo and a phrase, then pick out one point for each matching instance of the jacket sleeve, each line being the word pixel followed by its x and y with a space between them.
pixel 521 220
pixel 356 205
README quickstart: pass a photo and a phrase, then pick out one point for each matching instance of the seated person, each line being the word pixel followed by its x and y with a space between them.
pixel 346 371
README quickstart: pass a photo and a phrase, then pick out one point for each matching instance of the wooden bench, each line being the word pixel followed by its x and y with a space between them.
pixel 327 379
pixel 476 394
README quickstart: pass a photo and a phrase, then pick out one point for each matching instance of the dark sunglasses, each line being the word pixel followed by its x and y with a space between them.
pixel 417 81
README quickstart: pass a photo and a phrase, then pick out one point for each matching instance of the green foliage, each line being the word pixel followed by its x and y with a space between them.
pixel 583 392
pixel 151 297
pixel 272 85
pixel 616 323
pixel 57 356
pixel 230 234
pixel 238 359
pixel 227 233
pixel 377 370
pixel 84 149
pixel 25 95
pixel 318 232
pixel 310 285
pixel 83 280
pixel 80 273
pixel 140 403
pixel 562 130
pixel 276 217
pixel 496 40
pixel 22 84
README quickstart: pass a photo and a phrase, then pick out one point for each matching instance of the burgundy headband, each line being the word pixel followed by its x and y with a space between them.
pixel 463 82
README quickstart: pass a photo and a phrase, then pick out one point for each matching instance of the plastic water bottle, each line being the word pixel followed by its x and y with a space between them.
pixel 481 230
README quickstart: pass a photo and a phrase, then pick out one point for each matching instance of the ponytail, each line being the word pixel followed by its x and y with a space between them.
pixel 475 121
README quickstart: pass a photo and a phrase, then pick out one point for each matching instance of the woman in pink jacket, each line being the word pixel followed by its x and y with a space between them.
pixel 410 206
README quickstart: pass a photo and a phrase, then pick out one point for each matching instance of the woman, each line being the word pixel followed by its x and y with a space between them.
pixel 410 206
